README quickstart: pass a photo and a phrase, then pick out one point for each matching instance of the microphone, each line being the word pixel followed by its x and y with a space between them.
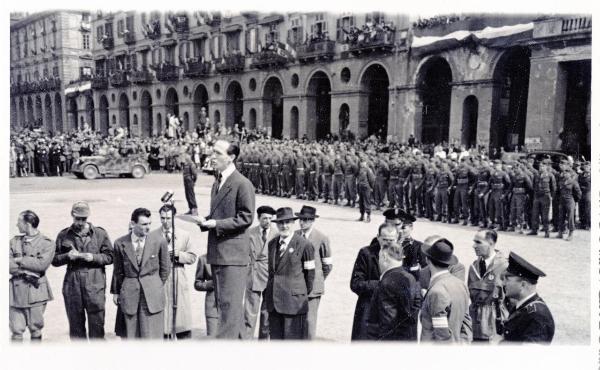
pixel 167 197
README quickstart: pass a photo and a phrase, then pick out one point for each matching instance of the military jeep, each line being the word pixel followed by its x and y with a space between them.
pixel 100 165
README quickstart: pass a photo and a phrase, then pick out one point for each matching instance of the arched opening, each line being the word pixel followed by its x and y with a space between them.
pixel 217 117
pixel 172 102
pixel 273 107
pixel 72 115
pixel 146 105
pixel 159 125
pixel 374 86
pixel 89 112
pixel 576 126
pixel 234 104
pixel 39 118
pixel 434 89
pixel 48 113
pixel 186 121
pixel 58 113
pixel 509 107
pixel 103 115
pixel 318 102
pixel 294 122
pixel 22 117
pixel 13 114
pixel 124 113
pixel 344 117
pixel 252 119
pixel 469 122
pixel 200 101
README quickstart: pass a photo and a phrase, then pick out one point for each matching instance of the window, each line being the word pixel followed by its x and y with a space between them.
pixel 129 24
pixel 199 48
pixel 45 72
pixel 252 40
pixel 375 17
pixel 100 67
pixel 296 32
pixel 55 71
pixel 170 54
pixel 233 41
pixel 36 75
pixel 86 41
pixel 85 17
pixel 120 28
pixel 99 33
pixel 272 35
pixel 85 72
pixel 343 24
pixel 108 30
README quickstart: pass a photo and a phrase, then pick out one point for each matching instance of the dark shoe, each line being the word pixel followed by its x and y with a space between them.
pixel 570 236
pixel 368 218
pixel 510 229
pixel 362 218
pixel 546 234
pixel 559 236
pixel 465 223
pixel 532 232
pixel 36 339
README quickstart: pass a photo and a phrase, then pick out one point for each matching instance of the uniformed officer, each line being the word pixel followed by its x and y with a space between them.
pixel 394 168
pixel 568 193
pixel 382 173
pixel 464 176
pixel 189 181
pixel 499 184
pixel 42 157
pixel 300 175
pixel 530 320
pixel 327 165
pixel 338 178
pixel 350 172
pixel 85 249
pixel 585 184
pixel 521 184
pixel 416 179
pixel 413 259
pixel 430 179
pixel 365 182
pixel 544 186
pixel 482 191
pixel 30 256
pixel 444 181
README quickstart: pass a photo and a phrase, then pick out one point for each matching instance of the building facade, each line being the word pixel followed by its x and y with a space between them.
pixel 495 81
pixel 47 50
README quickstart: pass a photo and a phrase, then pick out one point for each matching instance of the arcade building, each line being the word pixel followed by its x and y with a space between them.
pixel 510 81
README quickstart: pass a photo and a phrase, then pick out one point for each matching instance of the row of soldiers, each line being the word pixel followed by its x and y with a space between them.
pixel 504 195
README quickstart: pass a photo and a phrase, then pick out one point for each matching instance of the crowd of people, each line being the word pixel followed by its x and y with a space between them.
pixel 399 280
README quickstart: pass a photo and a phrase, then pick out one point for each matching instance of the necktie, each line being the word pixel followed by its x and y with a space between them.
pixel 138 250
pixel 281 247
pixel 482 267
pixel 264 236
pixel 168 237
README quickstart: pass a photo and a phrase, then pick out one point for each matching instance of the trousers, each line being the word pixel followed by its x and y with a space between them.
pixel 230 288
pixel 21 318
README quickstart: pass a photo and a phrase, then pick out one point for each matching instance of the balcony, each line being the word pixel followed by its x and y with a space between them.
pixel 15 89
pixel 167 72
pixel 99 82
pixel 50 84
pixel 129 38
pixel 181 24
pixel 141 77
pixel 108 42
pixel 231 64
pixel 119 79
pixel 316 50
pixel 381 41
pixel 196 68
pixel 269 59
pixel 562 27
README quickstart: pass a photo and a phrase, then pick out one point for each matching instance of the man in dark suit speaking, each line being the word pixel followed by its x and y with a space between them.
pixel 231 213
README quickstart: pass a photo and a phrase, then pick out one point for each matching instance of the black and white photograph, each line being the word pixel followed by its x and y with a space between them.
pixel 371 179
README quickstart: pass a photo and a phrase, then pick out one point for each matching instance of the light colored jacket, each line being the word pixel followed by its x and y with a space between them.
pixel 259 257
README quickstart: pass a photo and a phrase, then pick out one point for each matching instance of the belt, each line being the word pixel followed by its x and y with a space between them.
pixel 393 177
pixel 300 169
pixel 497 186
pixel 179 265
pixel 462 181
pixel 518 190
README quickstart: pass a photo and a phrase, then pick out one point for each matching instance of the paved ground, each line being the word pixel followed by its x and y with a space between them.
pixel 566 289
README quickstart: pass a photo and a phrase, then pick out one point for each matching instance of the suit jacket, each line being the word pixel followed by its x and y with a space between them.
pixel 395 307
pixel 364 281
pixel 129 279
pixel 445 311
pixel 323 261
pixel 259 256
pixel 291 277
pixel 232 207
pixel 457 270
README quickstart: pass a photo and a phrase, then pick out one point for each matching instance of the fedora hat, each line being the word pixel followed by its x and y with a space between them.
pixel 439 249
pixel 284 214
pixel 307 212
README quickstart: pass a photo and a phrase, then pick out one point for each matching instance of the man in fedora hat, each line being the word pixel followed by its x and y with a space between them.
pixel 291 277
pixel 530 320
pixel 445 311
pixel 85 249
pixel 323 263
pixel 260 236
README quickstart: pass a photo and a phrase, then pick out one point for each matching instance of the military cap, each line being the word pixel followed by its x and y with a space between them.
pixel 564 161
pixel 518 266
pixel 80 209
pixel 497 161
pixel 399 214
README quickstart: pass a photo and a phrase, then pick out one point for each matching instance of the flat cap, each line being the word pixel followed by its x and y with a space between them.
pixel 265 209
pixel 80 209
pixel 399 214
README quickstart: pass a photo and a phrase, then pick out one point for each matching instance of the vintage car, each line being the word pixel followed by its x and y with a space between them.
pixel 100 165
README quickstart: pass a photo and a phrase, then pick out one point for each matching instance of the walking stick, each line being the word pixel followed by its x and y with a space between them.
pixel 174 275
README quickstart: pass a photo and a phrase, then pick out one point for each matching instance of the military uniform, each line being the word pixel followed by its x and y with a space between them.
pixel 85 282
pixel 430 178
pixel 499 183
pixel 382 174
pixel 29 290
pixel 417 193
pixel 42 158
pixel 327 166
pixel 585 184
pixel 482 190
pixel 394 167
pixel 365 182
pixel 402 188
pixel 350 171
pixel 189 181
pixel 338 179
pixel 461 200
pixel 444 180
pixel 568 193
pixel 521 184
pixel 543 186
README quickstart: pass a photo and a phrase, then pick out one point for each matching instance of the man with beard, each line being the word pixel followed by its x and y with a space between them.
pixel 85 249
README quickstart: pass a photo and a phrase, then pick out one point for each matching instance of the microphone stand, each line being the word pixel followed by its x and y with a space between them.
pixel 173 274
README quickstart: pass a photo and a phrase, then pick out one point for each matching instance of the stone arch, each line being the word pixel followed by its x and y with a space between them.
pixel 39 111
pixel 104 124
pixel 318 105
pixel 234 104
pixel 199 101
pixel 48 113
pixel 273 106
pixel 294 116
pixel 146 113
pixel 72 114
pixel 22 116
pixel 58 112
pixel 89 112
pixel 124 113
pixel 374 99
pixel 172 101
pixel 469 121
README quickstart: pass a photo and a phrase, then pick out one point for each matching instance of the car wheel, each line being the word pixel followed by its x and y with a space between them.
pixel 90 172
pixel 138 172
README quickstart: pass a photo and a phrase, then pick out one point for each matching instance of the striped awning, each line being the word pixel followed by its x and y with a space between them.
pixel 143 48
pixel 199 35
pixel 78 87
pixel 168 42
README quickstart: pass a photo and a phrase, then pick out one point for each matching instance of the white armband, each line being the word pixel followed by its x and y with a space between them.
pixel 309 265
pixel 439 322
pixel 327 260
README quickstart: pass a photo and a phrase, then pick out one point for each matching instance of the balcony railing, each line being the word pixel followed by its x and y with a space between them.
pixel 562 27
pixel 197 69
pixel 119 79
pixel 181 24
pixel 319 50
pixel 269 59
pixel 167 72
pixel 99 83
pixel 15 89
pixel 381 41
pixel 231 64
pixel 108 42
pixel 50 84
pixel 141 77
pixel 129 38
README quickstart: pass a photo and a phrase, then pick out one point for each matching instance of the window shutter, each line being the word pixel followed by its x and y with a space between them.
pixel 248 41
pixel 129 24
pixel 339 33
pixel 352 21
pixel 290 37
pixel 299 35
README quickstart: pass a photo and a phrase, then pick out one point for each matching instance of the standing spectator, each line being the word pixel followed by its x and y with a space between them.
pixel 13 159
pixel 189 181
pixel 30 256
